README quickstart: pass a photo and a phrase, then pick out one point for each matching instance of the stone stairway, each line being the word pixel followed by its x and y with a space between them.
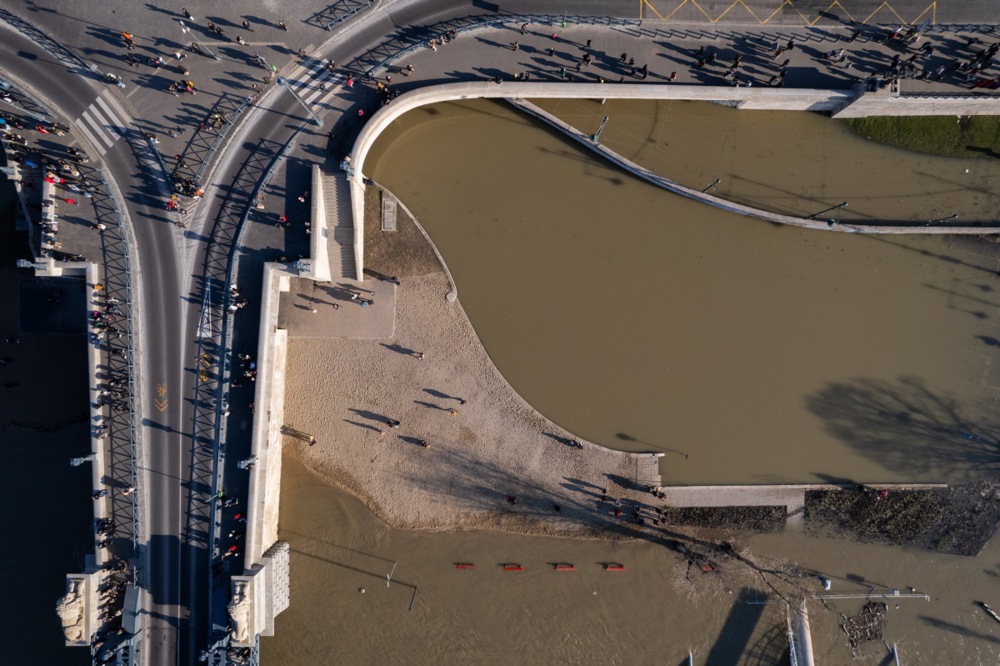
pixel 340 238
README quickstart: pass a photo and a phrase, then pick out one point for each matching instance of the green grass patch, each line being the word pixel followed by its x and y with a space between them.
pixel 950 136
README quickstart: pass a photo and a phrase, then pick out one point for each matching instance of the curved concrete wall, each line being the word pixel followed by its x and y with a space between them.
pixel 773 99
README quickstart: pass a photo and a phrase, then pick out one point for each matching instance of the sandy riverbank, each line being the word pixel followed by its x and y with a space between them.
pixel 495 445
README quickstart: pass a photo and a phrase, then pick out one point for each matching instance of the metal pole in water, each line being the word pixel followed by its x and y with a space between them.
pixel 389 575
pixel 827 210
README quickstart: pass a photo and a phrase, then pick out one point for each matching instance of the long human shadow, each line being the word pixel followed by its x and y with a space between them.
pixel 908 428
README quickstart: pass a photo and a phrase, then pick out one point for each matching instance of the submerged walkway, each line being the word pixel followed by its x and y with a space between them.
pixel 791 496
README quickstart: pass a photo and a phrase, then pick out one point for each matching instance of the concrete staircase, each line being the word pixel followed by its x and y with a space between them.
pixel 340 238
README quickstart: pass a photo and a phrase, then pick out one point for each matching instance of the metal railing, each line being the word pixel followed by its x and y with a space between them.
pixel 338 13
pixel 410 39
pixel 211 388
pixel 220 138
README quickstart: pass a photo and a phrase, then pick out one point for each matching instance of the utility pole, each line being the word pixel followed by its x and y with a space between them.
pixel 826 210
pixel 596 136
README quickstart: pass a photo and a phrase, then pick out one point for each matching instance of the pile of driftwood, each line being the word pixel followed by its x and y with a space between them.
pixel 866 625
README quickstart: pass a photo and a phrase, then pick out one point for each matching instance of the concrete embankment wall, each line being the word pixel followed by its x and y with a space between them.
pixel 318 239
pixel 729 206
pixel 761 99
pixel 265 477
pixel 887 103
pixel 774 99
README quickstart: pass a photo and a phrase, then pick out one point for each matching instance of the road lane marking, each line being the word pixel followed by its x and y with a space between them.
pixel 161 402
pixel 98 129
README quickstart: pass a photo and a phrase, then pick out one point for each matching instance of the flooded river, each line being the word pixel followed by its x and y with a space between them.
pixel 645 615
pixel 640 320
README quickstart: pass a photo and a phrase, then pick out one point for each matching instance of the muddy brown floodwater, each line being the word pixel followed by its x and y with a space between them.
pixel 648 614
pixel 640 320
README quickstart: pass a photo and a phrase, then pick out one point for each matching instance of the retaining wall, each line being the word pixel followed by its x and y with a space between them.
pixel 265 477
pixel 773 99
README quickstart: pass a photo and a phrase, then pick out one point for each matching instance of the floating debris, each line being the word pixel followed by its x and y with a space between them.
pixel 866 625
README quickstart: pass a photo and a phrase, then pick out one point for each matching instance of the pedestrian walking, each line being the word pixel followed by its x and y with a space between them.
pixel 515 46
pixel 246 26
pixel 524 27
pixel 453 412
pixel 281 24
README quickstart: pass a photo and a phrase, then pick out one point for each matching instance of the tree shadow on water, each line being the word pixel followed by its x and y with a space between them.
pixel 908 428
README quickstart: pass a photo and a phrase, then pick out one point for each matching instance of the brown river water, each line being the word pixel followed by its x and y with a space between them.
pixel 640 320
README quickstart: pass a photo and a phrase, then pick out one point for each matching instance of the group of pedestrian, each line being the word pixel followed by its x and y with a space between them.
pixel 248 366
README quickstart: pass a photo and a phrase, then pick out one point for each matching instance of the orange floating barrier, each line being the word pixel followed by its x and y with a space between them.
pixel 614 567
pixel 565 567
pixel 465 565
pixel 513 567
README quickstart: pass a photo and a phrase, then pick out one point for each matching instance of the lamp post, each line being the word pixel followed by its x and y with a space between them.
pixel 187 31
pixel 596 136
pixel 281 82
pixel 826 210
pixel 76 462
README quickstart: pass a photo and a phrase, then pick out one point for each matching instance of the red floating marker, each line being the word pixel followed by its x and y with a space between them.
pixel 465 565
pixel 614 567
pixel 513 567
pixel 565 567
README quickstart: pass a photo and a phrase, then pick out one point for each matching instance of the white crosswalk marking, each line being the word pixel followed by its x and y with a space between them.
pixel 101 125
pixel 98 130
pixel 314 82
